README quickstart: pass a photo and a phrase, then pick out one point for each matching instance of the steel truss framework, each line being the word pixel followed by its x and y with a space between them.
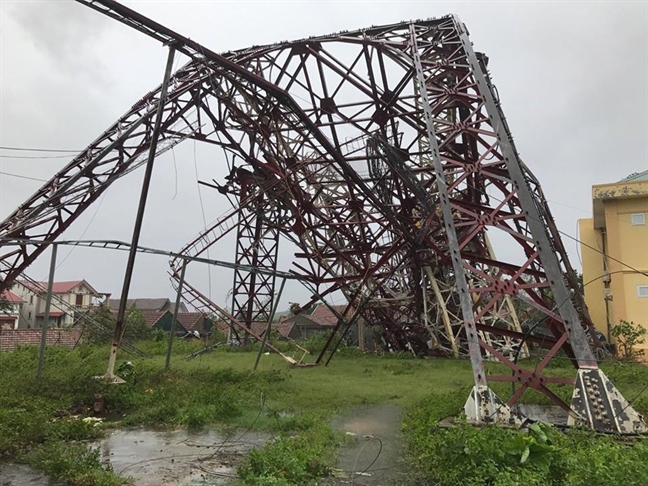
pixel 384 155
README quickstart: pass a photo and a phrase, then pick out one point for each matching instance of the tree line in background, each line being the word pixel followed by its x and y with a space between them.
pixel 134 328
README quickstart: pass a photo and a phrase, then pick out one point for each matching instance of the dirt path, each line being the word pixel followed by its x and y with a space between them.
pixel 373 456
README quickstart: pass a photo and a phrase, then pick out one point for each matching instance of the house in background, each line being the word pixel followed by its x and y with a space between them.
pixel 78 297
pixel 187 321
pixel 161 321
pixel 159 304
pixel 323 318
pixel 197 321
pixel 619 229
pixel 288 330
pixel 10 316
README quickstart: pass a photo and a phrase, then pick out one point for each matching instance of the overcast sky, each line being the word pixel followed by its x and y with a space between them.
pixel 572 78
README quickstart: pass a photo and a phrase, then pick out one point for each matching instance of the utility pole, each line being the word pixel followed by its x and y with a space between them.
pixel 119 324
pixel 48 306
pixel 175 314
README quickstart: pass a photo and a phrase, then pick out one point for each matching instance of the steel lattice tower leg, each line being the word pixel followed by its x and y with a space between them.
pixel 257 245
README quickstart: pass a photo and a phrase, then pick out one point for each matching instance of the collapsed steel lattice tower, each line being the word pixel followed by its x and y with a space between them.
pixel 383 154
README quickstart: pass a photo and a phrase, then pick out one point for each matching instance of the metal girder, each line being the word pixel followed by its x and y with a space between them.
pixel 408 248
pixel 120 319
pixel 118 151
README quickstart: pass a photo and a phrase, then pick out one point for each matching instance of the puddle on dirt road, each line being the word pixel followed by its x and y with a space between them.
pixel 177 457
pixel 373 456
pixel 21 475
pixel 155 457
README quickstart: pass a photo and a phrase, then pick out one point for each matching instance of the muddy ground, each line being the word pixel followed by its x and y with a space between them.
pixel 374 454
pixel 155 457
pixel 21 475
pixel 178 458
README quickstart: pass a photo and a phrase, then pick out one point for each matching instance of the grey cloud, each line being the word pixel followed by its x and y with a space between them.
pixel 64 31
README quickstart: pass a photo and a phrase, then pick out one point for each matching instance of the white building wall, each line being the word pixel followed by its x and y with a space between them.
pixel 12 312
pixel 35 304
pixel 29 309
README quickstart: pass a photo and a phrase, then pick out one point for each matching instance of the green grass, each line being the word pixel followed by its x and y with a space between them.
pixel 465 455
pixel 72 464
pixel 298 457
pixel 220 389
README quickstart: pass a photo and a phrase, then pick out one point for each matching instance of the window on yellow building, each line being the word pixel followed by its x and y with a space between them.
pixel 638 219
pixel 642 290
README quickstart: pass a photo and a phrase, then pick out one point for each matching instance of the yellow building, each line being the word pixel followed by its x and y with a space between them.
pixel 613 290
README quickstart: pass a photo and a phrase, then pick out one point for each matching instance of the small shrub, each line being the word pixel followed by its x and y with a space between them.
pixel 158 335
pixel 135 326
pixel 73 464
pixel 293 459
pixel 20 428
pixel 101 334
pixel 317 341
pixel 628 335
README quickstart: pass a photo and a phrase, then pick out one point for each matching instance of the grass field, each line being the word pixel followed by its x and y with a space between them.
pixel 219 389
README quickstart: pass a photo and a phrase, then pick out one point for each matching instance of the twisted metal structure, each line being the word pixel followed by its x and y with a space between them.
pixel 383 154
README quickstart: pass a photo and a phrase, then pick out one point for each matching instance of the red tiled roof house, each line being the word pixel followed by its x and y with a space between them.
pixel 10 308
pixel 324 319
pixel 162 321
pixel 71 298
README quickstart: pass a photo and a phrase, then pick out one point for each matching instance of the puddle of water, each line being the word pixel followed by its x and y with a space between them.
pixel 177 457
pixel 21 475
pixel 155 457
pixel 375 450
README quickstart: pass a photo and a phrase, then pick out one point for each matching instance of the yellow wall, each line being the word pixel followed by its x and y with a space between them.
pixel 592 261
pixel 613 206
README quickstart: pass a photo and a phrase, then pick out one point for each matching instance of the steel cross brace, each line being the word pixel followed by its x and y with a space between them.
pixel 483 406
pixel 596 402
